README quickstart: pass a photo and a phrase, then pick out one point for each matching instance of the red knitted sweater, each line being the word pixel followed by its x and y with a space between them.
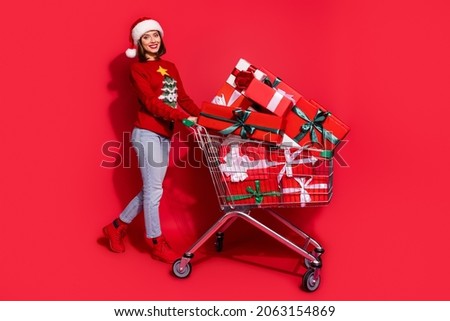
pixel 161 94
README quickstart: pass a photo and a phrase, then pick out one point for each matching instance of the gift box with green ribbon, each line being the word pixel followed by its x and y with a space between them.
pixel 275 82
pixel 256 192
pixel 310 125
pixel 269 98
pixel 308 152
pixel 245 123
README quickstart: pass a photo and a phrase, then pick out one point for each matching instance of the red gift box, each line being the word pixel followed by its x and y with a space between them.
pixel 310 125
pixel 247 72
pixel 268 97
pixel 292 162
pixel 245 123
pixel 306 190
pixel 230 97
pixel 323 168
pixel 276 83
pixel 254 192
pixel 253 83
pixel 243 161
pixel 310 151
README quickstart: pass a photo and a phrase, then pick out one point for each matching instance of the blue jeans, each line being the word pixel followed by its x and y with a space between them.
pixel 153 156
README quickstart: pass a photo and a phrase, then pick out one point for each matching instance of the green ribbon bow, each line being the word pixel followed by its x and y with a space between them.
pixel 256 193
pixel 273 84
pixel 316 124
pixel 239 121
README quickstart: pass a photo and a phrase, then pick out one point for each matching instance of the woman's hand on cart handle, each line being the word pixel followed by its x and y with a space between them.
pixel 190 121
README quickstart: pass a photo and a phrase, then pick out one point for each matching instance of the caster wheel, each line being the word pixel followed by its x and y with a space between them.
pixel 309 283
pixel 219 242
pixel 308 262
pixel 181 274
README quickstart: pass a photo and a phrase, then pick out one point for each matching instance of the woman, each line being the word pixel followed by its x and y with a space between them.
pixel 163 101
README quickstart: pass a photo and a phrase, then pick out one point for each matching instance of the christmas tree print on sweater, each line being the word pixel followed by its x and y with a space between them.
pixel 169 93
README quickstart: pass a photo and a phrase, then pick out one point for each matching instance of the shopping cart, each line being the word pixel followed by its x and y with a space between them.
pixel 249 175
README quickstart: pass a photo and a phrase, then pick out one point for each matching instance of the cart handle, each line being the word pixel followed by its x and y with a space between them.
pixel 188 123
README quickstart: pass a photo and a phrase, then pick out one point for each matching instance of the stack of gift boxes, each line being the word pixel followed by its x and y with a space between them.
pixel 278 146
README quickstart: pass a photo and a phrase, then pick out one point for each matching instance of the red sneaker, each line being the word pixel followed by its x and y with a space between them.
pixel 161 250
pixel 115 233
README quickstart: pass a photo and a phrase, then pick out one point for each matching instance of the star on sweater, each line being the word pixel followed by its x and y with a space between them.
pixel 162 71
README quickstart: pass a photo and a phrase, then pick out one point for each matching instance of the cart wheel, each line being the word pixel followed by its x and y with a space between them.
pixel 309 283
pixel 181 274
pixel 308 262
pixel 219 242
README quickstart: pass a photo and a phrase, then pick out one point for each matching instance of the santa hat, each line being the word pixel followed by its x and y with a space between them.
pixel 138 28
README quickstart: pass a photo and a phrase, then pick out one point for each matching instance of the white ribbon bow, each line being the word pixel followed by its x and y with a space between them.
pixel 285 94
pixel 236 166
pixel 291 160
pixel 220 100
pixel 233 165
pixel 304 185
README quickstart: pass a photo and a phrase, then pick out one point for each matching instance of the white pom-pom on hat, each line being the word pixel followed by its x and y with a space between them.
pixel 141 26
pixel 131 52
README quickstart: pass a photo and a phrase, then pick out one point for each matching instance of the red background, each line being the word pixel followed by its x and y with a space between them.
pixel 381 67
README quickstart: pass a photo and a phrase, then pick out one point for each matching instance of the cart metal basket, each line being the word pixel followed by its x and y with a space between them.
pixel 249 174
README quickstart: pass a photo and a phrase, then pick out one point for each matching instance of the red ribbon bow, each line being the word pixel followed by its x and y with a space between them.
pixel 243 79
